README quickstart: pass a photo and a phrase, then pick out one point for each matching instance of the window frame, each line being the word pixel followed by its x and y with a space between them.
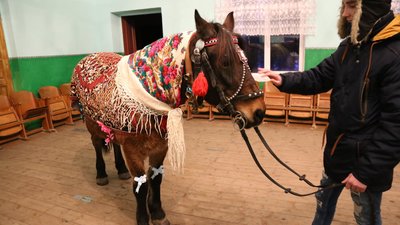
pixel 267 53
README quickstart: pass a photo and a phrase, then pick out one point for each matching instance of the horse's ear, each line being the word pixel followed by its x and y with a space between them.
pixel 229 22
pixel 204 29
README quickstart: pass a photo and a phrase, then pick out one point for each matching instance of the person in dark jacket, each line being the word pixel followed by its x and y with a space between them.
pixel 363 135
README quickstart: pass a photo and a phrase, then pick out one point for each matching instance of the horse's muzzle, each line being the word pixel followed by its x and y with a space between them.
pixel 241 122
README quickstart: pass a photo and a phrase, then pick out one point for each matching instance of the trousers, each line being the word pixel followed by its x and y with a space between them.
pixel 366 205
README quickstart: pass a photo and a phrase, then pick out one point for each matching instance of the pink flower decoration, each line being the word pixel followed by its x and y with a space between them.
pixel 107 130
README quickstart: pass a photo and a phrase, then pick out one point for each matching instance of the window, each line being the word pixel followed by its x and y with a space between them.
pixel 282 53
pixel 254 50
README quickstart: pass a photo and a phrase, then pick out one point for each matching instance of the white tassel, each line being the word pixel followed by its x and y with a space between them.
pixel 176 140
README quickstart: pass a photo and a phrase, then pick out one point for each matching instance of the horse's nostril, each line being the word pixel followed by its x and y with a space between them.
pixel 259 115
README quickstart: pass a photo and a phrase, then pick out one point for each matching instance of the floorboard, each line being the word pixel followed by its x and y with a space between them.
pixel 50 179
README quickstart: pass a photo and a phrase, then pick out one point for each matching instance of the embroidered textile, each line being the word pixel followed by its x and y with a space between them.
pixel 159 67
pixel 138 92
pixel 93 78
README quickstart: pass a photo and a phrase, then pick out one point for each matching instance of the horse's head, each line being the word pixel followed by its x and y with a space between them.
pixel 216 51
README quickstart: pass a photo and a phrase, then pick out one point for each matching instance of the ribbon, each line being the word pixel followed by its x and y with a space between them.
pixel 107 130
pixel 140 180
pixel 156 171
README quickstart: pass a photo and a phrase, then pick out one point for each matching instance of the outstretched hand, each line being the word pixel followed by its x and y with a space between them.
pixel 275 78
pixel 353 184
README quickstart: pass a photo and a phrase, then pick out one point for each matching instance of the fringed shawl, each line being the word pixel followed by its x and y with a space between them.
pixel 139 92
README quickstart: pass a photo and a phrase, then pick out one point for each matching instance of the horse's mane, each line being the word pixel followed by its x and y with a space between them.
pixel 226 49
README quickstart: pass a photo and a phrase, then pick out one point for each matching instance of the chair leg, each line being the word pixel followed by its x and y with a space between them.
pixel 211 114
pixel 314 122
pixel 189 111
pixel 287 118
pixel 70 121
pixel 49 123
pixel 24 135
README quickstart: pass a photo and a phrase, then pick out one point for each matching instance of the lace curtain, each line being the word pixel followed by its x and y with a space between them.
pixel 274 17
pixel 396 6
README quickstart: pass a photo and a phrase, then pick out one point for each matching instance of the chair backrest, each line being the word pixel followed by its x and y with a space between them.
pixel 25 99
pixel 65 89
pixel 4 103
pixel 274 97
pixel 304 101
pixel 10 123
pixel 323 100
pixel 48 92
pixel 269 87
pixel 58 107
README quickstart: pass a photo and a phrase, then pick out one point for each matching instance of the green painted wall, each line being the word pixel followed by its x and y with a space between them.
pixel 32 73
pixel 315 56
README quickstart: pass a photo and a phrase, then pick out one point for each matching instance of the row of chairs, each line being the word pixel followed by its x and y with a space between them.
pixel 282 107
pixel 287 108
pixel 21 108
pixel 204 111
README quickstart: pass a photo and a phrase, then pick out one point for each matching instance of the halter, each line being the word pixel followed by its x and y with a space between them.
pixel 200 59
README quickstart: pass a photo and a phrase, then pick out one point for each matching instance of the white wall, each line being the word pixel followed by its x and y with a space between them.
pixel 68 27
pixel 327 15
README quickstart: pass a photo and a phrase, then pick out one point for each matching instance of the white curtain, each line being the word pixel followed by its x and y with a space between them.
pixel 274 17
pixel 396 6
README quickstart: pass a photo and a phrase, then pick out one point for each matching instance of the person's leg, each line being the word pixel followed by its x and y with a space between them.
pixel 367 207
pixel 326 202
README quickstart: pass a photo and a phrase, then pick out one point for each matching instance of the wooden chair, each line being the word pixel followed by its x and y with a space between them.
pixel 322 107
pixel 31 109
pixel 275 103
pixel 301 109
pixel 11 127
pixel 204 111
pixel 65 90
pixel 58 109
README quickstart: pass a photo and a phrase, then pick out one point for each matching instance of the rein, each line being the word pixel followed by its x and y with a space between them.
pixel 301 177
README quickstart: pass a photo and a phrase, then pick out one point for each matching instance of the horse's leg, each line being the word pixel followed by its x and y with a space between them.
pixel 134 157
pixel 123 173
pixel 101 177
pixel 155 175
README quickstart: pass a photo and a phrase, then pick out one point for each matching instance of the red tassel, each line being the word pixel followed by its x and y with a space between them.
pixel 200 85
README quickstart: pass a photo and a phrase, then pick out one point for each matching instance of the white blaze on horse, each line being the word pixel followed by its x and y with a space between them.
pixel 133 101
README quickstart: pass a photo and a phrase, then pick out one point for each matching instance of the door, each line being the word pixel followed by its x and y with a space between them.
pixel 140 30
pixel 6 85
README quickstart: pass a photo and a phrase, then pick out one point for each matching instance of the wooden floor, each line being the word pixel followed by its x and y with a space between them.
pixel 50 180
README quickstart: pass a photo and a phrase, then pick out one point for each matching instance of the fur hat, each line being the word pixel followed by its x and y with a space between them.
pixel 368 12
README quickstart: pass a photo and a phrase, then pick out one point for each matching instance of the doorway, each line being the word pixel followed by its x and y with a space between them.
pixel 140 30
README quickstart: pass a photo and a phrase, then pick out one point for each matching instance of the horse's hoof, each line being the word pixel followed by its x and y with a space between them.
pixel 164 221
pixel 124 176
pixel 102 181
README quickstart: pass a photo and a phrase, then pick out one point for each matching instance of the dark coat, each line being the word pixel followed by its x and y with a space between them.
pixel 363 135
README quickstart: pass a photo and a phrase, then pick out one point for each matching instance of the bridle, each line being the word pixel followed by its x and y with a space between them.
pixel 201 62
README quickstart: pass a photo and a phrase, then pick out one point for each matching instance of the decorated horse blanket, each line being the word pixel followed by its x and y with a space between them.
pixel 139 93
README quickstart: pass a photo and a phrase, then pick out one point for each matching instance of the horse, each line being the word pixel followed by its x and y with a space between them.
pixel 133 101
